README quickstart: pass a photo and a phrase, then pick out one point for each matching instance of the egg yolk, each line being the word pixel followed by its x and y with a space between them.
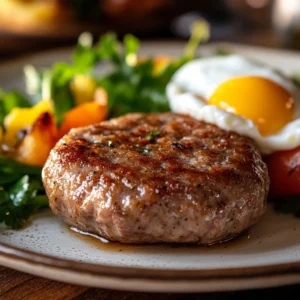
pixel 261 100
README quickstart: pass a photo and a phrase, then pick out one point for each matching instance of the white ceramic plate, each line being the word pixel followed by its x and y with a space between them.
pixel 268 255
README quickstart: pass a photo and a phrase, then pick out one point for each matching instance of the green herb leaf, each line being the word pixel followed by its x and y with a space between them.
pixel 145 150
pixel 200 32
pixel 20 200
pixel 84 56
pixel 8 165
pixel 131 44
pixel 7 177
pixel 21 192
pixel 60 92
pixel 151 136
pixel 10 100
pixel 108 48
pixel 63 101
pixel 110 144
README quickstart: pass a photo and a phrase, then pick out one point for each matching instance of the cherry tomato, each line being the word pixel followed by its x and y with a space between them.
pixel 284 172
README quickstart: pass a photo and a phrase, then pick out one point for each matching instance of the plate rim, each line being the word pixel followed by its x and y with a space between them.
pixel 153 284
pixel 36 258
pixel 149 274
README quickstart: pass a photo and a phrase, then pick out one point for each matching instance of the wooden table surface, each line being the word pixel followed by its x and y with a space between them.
pixel 15 285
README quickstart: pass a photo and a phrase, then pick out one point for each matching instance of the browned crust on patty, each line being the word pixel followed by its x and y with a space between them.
pixel 157 178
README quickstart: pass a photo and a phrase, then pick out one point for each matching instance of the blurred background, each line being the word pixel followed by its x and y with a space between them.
pixel 34 25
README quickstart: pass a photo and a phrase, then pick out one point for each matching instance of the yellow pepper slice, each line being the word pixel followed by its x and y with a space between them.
pixel 22 118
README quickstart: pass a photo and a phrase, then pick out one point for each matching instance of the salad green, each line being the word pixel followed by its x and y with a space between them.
pixel 21 192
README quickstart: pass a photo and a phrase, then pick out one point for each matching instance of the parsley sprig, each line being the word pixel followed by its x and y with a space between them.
pixel 21 192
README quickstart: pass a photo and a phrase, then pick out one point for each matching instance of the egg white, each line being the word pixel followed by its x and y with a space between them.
pixel 196 81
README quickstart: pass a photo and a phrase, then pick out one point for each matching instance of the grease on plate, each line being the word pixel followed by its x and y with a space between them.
pixel 103 244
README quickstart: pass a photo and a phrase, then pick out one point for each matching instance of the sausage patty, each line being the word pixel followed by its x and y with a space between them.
pixel 151 178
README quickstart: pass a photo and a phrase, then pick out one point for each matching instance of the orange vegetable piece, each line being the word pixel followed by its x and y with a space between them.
pixel 86 113
pixel 284 172
pixel 37 143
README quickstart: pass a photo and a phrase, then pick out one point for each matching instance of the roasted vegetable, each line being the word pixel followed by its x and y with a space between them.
pixel 85 114
pixel 22 119
pixel 35 147
pixel 284 172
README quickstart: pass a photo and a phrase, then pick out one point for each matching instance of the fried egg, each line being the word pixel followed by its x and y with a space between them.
pixel 238 94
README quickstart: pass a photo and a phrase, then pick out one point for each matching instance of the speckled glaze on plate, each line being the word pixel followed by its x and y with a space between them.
pixel 267 255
